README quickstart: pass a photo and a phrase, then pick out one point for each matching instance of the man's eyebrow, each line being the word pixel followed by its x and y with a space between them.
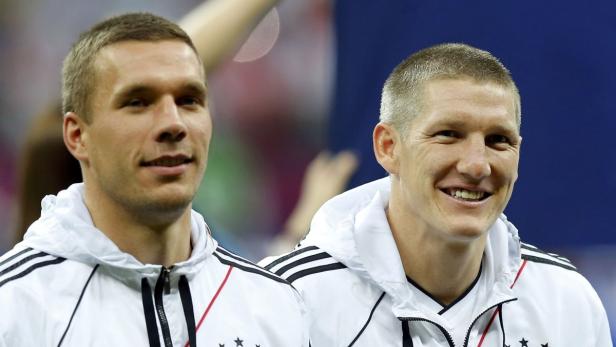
pixel 503 129
pixel 135 89
pixel 195 87
pixel 141 89
pixel 448 123
pixel 454 124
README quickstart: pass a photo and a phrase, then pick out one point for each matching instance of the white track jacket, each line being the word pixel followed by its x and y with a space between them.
pixel 349 272
pixel 67 284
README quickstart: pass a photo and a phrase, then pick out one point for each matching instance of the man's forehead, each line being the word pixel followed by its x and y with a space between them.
pixel 149 61
pixel 133 53
pixel 453 86
pixel 454 100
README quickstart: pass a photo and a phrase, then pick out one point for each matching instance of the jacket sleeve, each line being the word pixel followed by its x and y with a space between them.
pixel 305 317
pixel 604 337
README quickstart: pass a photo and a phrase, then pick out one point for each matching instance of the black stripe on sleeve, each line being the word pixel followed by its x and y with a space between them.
pixel 314 270
pixel 235 256
pixel 548 262
pixel 15 256
pixel 22 262
pixel 368 321
pixel 290 255
pixel 77 305
pixel 32 268
pixel 538 250
pixel 253 270
pixel 301 261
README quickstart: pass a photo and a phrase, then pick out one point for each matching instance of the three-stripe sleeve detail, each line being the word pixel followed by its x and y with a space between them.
pixel 19 263
pixel 228 258
pixel 534 254
pixel 303 262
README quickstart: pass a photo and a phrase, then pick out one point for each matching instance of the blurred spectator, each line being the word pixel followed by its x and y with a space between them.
pixel 44 151
pixel 278 130
pixel 327 175
pixel 46 166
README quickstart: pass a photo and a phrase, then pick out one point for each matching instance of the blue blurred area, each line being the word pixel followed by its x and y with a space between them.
pixel 561 55
pixel 598 265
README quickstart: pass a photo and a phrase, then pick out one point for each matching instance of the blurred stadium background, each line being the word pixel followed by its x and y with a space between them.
pixel 296 88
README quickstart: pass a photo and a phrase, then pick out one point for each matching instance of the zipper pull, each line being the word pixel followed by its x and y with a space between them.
pixel 167 284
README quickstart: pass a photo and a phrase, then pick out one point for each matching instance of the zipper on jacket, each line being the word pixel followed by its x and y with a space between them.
pixel 165 274
pixel 443 330
pixel 446 333
pixel 468 333
pixel 162 284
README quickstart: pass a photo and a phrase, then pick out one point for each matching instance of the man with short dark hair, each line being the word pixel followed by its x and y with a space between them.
pixel 425 257
pixel 122 259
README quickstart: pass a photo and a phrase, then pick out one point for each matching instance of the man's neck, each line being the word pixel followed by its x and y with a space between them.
pixel 165 243
pixel 443 268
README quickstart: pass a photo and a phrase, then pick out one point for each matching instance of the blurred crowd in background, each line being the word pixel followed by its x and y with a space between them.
pixel 271 104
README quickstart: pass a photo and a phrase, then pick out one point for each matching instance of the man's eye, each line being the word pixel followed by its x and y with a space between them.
pixel 135 103
pixel 497 139
pixel 188 101
pixel 448 134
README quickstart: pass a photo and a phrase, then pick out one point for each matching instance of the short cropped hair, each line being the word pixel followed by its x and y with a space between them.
pixel 401 99
pixel 78 71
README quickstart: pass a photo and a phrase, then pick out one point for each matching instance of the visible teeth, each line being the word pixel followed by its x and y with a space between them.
pixel 466 194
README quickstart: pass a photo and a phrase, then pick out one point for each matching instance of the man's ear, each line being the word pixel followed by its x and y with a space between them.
pixel 385 142
pixel 75 136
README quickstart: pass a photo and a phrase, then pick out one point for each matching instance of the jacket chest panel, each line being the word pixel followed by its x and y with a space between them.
pixel 244 315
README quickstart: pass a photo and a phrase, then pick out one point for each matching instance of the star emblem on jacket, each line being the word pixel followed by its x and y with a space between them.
pixel 523 342
pixel 238 343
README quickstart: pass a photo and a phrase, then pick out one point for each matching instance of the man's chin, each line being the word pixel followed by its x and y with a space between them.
pixel 167 202
pixel 468 230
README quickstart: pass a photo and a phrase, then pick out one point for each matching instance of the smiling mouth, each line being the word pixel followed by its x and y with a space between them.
pixel 466 195
pixel 168 161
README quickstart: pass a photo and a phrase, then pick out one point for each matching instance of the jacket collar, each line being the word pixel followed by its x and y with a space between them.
pixel 353 229
pixel 65 229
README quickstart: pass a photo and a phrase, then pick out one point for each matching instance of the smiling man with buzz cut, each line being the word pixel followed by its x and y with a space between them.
pixel 121 259
pixel 425 257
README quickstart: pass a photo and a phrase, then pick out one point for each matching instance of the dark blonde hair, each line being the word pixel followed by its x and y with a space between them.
pixel 78 72
pixel 401 99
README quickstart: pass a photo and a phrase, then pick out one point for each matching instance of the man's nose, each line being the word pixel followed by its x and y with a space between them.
pixel 474 162
pixel 171 125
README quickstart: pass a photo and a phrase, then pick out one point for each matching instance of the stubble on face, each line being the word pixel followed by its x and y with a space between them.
pixel 122 136
pixel 464 141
